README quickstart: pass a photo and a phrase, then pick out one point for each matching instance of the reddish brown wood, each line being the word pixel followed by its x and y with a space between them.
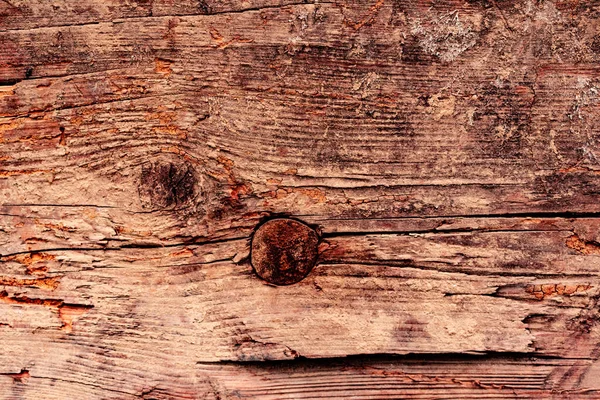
pixel 444 151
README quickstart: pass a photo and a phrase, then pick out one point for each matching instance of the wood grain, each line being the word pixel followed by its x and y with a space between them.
pixel 444 151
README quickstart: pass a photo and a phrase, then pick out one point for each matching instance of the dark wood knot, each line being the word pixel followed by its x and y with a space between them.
pixel 284 251
pixel 166 185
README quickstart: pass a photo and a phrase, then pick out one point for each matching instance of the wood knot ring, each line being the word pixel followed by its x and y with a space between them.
pixel 284 251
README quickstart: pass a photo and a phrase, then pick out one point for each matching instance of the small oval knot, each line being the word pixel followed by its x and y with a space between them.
pixel 284 251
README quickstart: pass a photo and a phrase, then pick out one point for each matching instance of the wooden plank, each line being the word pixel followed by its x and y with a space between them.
pixel 371 378
pixel 23 14
pixel 418 171
pixel 384 378
pixel 397 294
pixel 445 153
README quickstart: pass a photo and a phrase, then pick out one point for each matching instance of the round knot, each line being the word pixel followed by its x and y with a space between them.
pixel 284 251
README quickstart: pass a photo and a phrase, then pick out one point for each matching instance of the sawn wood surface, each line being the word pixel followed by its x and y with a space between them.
pixel 446 152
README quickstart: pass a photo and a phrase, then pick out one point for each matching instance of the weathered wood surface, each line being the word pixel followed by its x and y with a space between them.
pixel 445 151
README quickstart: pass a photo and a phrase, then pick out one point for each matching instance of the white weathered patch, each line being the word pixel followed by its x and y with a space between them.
pixel 444 36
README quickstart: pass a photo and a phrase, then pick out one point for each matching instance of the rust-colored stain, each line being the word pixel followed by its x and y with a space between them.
pixel 57 227
pixel 166 123
pixel 66 312
pixel 41 283
pixel 20 377
pixel 543 291
pixel 312 195
pixel 6 298
pixel 215 34
pixel 36 269
pixel 35 263
pixel 227 164
pixel 163 67
pixel 583 246
pixel 31 258
pixel 185 252
pixel 238 189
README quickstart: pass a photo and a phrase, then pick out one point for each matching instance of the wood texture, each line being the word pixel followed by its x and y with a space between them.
pixel 445 152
